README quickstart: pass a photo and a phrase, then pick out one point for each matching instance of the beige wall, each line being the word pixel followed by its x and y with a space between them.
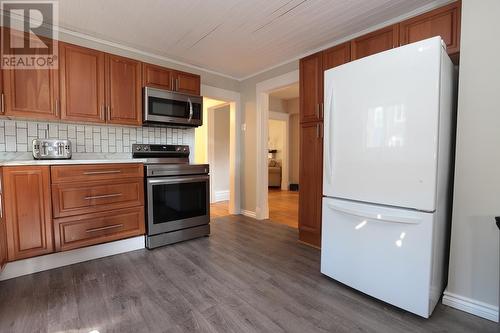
pixel 474 262
pixel 277 137
pixel 292 106
pixel 248 101
pixel 277 104
pixel 220 165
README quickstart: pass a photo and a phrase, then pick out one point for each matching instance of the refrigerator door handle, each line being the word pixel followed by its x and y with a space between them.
pixel 328 139
pixel 375 216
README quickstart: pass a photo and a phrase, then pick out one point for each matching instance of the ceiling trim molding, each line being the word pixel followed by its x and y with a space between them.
pixel 433 5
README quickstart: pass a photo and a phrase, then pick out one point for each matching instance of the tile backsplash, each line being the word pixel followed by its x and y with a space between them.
pixel 16 136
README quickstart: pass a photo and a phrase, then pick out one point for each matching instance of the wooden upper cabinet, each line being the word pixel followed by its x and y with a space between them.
pixel 27 211
pixel 168 79
pixel 82 83
pixel 187 83
pixel 375 42
pixel 336 56
pixel 311 87
pixel 3 233
pixel 31 93
pixel 124 90
pixel 157 77
pixel 311 182
pixel 444 22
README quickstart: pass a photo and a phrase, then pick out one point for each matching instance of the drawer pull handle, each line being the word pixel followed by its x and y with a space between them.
pixel 103 196
pixel 104 228
pixel 87 173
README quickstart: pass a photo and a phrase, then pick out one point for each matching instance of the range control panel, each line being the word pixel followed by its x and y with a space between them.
pixel 155 150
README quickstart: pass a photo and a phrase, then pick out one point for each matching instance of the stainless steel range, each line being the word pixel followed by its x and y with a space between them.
pixel 177 194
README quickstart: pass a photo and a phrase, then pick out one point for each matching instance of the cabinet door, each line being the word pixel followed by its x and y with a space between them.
pixel 31 93
pixel 27 211
pixel 82 83
pixel 157 77
pixel 336 56
pixel 187 83
pixel 3 238
pixel 375 42
pixel 311 87
pixel 311 178
pixel 123 86
pixel 444 22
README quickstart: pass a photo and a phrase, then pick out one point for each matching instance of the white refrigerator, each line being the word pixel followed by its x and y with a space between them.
pixel 387 165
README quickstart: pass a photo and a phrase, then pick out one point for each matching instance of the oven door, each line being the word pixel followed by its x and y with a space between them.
pixel 176 203
pixel 162 106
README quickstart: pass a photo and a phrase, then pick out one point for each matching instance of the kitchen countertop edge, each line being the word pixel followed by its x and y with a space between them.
pixel 71 161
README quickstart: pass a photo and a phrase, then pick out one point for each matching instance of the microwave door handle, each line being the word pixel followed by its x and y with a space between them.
pixel 190 109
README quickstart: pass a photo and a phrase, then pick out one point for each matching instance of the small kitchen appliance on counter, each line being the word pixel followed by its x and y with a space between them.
pixel 51 149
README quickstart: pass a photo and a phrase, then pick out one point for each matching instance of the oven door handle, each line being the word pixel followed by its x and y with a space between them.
pixel 171 180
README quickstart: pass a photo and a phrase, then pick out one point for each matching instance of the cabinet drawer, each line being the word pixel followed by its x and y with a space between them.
pixel 70 199
pixel 84 230
pixel 83 173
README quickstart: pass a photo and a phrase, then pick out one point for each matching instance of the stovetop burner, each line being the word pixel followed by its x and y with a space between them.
pixel 167 160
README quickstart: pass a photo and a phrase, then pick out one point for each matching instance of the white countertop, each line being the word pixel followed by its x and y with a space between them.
pixel 13 159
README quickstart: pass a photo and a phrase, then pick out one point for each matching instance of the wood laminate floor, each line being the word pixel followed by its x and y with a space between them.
pixel 284 207
pixel 248 276
pixel 219 209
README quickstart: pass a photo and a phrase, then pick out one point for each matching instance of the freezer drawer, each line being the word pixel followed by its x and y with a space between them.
pixel 383 252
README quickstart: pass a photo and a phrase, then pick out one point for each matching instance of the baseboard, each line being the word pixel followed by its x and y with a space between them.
pixel 249 213
pixel 59 259
pixel 221 196
pixel 471 306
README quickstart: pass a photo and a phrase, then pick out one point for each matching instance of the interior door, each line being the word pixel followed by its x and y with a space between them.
pixel 124 92
pixel 381 125
pixel 82 83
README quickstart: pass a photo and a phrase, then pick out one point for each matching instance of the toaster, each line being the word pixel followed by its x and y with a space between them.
pixel 51 149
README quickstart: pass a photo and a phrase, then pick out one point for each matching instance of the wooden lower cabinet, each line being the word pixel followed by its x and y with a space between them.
pixel 311 183
pixel 89 229
pixel 27 211
pixel 97 203
pixel 94 172
pixel 70 199
pixel 3 235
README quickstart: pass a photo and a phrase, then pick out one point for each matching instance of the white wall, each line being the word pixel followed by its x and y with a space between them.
pixel 294 148
pixel 474 259
pixel 277 137
pixel 220 164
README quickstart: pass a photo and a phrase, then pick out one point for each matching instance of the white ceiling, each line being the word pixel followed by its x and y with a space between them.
pixel 234 37
pixel 288 92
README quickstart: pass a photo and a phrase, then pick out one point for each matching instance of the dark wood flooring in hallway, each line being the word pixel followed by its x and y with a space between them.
pixel 248 276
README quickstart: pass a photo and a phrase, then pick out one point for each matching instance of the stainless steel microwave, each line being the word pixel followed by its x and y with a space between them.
pixel 163 107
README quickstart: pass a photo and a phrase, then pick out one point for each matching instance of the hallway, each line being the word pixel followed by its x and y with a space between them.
pixel 283 207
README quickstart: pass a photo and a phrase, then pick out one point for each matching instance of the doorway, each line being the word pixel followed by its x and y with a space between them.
pixel 283 158
pixel 217 143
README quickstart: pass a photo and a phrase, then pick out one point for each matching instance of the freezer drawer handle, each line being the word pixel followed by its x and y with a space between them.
pixel 376 217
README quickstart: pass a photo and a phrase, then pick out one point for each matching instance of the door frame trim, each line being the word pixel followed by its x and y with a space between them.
pixel 262 113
